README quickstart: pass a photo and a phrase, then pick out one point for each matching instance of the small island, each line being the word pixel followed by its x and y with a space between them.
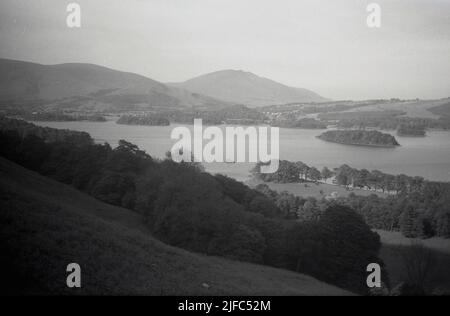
pixel 147 119
pixel 360 138
pixel 409 130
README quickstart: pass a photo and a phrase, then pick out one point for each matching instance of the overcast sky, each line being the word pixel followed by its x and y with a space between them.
pixel 321 45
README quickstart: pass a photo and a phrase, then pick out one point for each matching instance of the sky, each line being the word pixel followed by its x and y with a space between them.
pixel 322 45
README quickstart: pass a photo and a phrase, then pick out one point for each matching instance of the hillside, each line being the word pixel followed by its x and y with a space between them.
pixel 91 87
pixel 410 108
pixel 246 88
pixel 442 110
pixel 46 225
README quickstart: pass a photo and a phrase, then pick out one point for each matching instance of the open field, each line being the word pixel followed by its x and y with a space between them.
pixel 314 190
pixel 396 238
pixel 414 108
pixel 46 225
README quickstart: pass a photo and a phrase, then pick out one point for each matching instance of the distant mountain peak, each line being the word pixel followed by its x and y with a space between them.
pixel 244 87
pixel 227 72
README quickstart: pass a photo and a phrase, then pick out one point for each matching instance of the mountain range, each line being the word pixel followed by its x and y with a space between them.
pixel 92 87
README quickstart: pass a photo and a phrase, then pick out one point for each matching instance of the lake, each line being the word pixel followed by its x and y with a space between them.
pixel 428 157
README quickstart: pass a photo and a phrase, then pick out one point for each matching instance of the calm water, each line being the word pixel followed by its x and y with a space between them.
pixel 428 157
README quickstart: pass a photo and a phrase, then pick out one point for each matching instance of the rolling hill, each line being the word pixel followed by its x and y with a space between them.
pixel 45 225
pixel 442 110
pixel 89 86
pixel 246 88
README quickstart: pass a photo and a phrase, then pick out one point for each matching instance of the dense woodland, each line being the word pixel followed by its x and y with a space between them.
pixel 153 119
pixel 188 208
pixel 414 206
pixel 62 117
pixel 359 137
pixel 25 129
pixel 411 130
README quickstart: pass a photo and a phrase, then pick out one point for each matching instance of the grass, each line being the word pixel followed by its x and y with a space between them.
pixel 394 246
pixel 438 279
pixel 396 238
pixel 412 108
pixel 46 225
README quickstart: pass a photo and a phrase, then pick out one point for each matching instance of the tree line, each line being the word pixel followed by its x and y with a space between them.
pixel 414 206
pixel 59 116
pixel 152 119
pixel 414 130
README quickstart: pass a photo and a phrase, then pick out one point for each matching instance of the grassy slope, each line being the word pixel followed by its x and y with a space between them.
pixel 412 108
pixel 46 225
pixel 438 277
pixel 392 252
pixel 396 238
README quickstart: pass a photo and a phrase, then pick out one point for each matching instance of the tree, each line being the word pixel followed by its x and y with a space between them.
pixel 416 184
pixel 376 178
pixel 337 248
pixel 443 224
pixel 286 202
pixel 349 244
pixel 309 211
pixel 418 262
pixel 401 184
pixel 362 178
pixel 264 189
pixel 411 225
pixel 326 173
pixel 314 174
pixel 260 204
pixel 115 188
pixel 246 244
pixel 302 170
pixel 344 175
pixel 287 172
